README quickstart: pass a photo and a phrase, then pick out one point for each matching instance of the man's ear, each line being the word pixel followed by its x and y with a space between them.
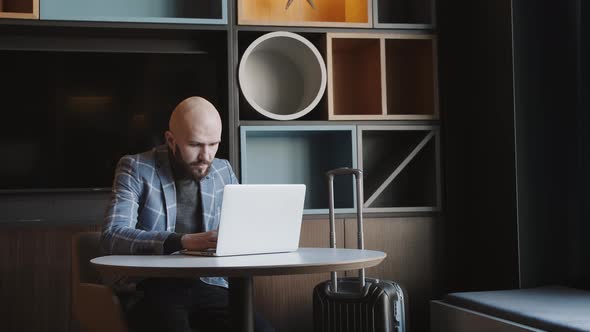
pixel 170 139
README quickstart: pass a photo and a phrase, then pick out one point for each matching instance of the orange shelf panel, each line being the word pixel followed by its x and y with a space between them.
pixel 350 13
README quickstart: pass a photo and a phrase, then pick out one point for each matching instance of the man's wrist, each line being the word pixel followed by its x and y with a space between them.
pixel 173 243
pixel 182 239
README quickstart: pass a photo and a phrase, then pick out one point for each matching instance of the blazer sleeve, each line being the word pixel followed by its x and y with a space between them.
pixel 119 235
pixel 232 176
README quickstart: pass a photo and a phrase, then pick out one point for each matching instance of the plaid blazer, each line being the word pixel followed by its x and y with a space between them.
pixel 141 213
pixel 142 208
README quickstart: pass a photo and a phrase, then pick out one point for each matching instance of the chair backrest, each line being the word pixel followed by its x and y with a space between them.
pixel 94 305
pixel 85 246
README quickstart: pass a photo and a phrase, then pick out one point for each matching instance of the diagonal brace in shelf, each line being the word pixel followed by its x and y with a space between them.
pixel 399 168
pixel 289 2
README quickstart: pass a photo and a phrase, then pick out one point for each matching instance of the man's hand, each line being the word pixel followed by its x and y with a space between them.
pixel 199 241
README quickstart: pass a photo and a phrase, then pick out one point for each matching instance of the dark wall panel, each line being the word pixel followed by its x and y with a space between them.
pixel 545 62
pixel 475 61
pixel 514 101
pixel 583 230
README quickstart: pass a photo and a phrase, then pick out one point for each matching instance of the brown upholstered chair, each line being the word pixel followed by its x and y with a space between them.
pixel 94 305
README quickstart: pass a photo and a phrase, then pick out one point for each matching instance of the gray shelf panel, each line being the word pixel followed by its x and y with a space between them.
pixel 426 28
pixel 154 11
pixel 301 154
pixel 343 122
pixel 11 23
pixel 400 168
pixel 50 209
pixel 402 28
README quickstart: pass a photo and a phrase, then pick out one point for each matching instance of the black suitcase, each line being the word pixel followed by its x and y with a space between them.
pixel 357 304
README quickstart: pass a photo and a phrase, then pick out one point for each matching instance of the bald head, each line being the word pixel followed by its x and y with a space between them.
pixel 194 112
pixel 194 134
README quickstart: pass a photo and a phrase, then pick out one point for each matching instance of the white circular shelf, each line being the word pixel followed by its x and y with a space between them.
pixel 282 75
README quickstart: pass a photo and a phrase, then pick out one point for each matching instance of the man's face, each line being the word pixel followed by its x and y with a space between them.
pixel 196 149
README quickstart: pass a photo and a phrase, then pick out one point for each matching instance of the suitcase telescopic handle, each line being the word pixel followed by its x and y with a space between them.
pixel 358 174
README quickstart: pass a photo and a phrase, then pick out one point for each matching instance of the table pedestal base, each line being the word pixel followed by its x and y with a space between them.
pixel 241 303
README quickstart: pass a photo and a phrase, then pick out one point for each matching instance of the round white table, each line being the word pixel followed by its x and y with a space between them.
pixel 239 269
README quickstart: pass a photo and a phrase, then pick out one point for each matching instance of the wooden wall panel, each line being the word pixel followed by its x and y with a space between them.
pixel 287 300
pixel 35 272
pixel 413 258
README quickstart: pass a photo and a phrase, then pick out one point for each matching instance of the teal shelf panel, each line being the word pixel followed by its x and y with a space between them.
pixel 142 11
pixel 301 154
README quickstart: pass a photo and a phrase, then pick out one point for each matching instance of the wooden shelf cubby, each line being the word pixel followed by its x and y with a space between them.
pixel 301 154
pixel 411 80
pixel 325 13
pixel 25 9
pixel 403 14
pixel 150 11
pixel 400 168
pixel 354 73
pixel 381 76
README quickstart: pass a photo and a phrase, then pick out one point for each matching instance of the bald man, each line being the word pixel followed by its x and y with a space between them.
pixel 168 199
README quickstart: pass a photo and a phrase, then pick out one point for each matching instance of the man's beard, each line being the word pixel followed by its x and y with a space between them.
pixel 190 168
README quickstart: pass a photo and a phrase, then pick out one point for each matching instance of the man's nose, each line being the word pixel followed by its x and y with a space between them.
pixel 204 153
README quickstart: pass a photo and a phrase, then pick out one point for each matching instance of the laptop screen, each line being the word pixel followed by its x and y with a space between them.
pixel 260 218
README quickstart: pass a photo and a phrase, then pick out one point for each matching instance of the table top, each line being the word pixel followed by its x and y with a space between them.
pixel 304 260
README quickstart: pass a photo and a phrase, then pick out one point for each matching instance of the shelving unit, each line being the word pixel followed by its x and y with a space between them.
pixel 154 11
pixel 370 76
pixel 400 166
pixel 324 13
pixel 22 9
pixel 301 154
pixel 381 77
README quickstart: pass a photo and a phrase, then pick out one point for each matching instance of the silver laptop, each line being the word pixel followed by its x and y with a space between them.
pixel 257 219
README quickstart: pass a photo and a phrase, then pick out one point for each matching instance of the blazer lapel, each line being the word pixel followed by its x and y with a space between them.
pixel 208 201
pixel 164 171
